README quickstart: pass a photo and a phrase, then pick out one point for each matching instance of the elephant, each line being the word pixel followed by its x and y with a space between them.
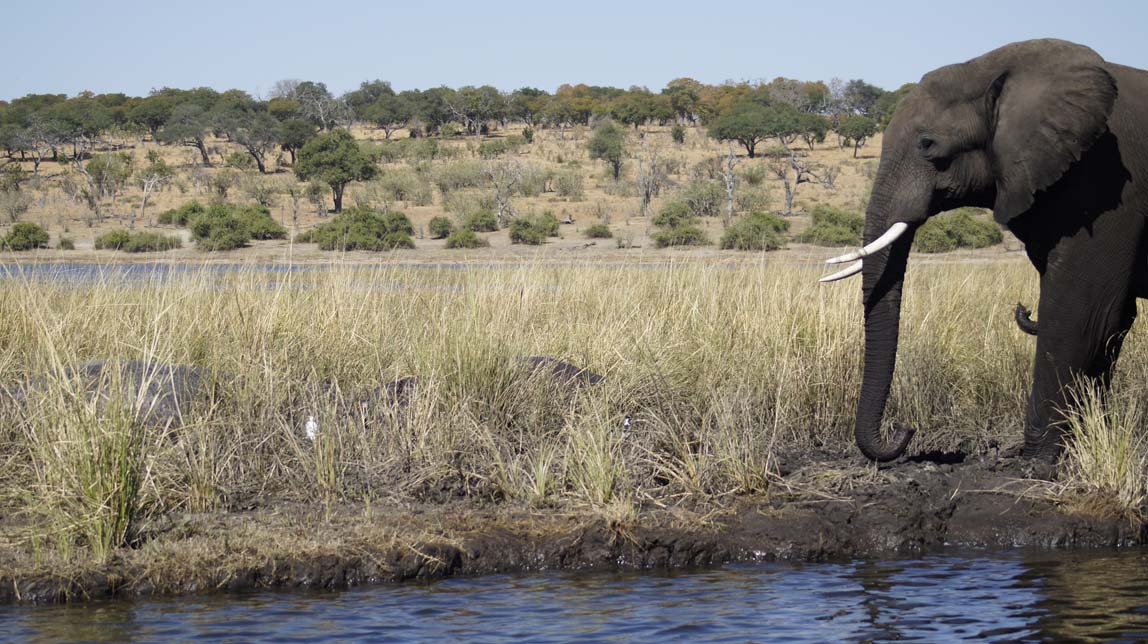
pixel 1053 139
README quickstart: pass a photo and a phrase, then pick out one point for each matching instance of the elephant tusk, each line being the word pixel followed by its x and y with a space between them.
pixel 848 271
pixel 890 236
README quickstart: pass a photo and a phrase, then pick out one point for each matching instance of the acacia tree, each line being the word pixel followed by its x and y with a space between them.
pixel 747 123
pixel 388 113
pixel 294 135
pixel 608 144
pixel 334 158
pixel 188 126
pixel 258 133
pixel 857 129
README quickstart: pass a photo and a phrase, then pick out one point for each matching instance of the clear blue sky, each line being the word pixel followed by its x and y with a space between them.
pixel 134 46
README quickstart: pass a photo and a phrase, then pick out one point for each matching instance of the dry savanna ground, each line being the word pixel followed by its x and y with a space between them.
pixel 57 207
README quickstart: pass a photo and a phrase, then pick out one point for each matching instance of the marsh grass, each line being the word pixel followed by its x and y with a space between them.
pixel 721 368
pixel 1107 464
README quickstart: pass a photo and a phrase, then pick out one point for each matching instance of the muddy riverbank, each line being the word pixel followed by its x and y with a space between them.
pixel 819 510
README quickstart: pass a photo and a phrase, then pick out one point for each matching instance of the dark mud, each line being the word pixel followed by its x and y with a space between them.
pixel 820 511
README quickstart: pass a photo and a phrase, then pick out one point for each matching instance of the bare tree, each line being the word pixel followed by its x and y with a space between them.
pixel 284 88
pixel 156 175
pixel 504 177
pixel 803 172
pixel 652 175
pixel 729 174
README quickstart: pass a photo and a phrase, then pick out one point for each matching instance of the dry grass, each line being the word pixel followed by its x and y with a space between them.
pixel 55 206
pixel 721 368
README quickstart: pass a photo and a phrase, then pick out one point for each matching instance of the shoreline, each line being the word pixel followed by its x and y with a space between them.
pixel 913 507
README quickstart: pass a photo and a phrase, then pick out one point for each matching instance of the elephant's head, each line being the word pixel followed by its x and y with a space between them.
pixel 991 132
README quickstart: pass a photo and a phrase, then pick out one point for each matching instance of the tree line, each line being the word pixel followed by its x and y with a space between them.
pixel 41 126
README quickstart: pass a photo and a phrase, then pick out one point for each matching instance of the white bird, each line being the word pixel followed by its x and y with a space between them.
pixel 311 428
pixel 626 428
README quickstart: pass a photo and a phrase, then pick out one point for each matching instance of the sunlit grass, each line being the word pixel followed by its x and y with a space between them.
pixel 721 368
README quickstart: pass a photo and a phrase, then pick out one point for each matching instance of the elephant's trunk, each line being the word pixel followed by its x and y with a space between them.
pixel 883 276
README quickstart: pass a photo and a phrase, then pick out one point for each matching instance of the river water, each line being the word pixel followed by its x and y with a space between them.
pixel 967 596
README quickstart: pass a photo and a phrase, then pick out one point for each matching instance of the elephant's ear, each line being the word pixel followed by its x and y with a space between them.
pixel 1047 108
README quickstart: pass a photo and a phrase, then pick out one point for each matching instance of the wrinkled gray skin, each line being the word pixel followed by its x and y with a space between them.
pixel 1055 140
pixel 167 390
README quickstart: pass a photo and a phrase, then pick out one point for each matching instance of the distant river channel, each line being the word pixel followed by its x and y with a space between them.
pixel 968 596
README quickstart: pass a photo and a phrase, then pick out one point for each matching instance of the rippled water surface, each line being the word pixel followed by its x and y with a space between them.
pixel 962 597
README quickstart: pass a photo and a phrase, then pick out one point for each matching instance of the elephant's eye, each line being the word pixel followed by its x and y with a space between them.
pixel 924 144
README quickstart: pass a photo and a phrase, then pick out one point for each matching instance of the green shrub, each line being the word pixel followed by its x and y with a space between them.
pixel 758 231
pixel 259 223
pixel 523 232
pixel 680 235
pixel 483 221
pixel 498 147
pixel 533 229
pixel 754 175
pixel 704 198
pixel 113 239
pixel 834 227
pixel 455 176
pixel 305 237
pixel 227 227
pixel 365 229
pixel 569 183
pixel 440 227
pixel 673 214
pixel 219 229
pixel 678 134
pixel 66 243
pixel 961 228
pixel 599 231
pixel 465 238
pixel 182 215
pixel 141 242
pixel 528 134
pixel 25 236
pixel 240 161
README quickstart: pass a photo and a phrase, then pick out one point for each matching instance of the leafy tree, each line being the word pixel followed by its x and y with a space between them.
pixel 678 134
pixel 388 113
pixel 887 104
pixel 857 129
pixel 746 123
pixel 813 128
pixel 685 96
pixel 334 158
pixel 188 126
pixel 258 133
pixel 527 104
pixel 861 97
pixel 608 144
pixel 294 134
pixel 284 109
pixel 153 112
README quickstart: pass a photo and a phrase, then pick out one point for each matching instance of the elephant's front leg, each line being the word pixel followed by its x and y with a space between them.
pixel 1081 329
